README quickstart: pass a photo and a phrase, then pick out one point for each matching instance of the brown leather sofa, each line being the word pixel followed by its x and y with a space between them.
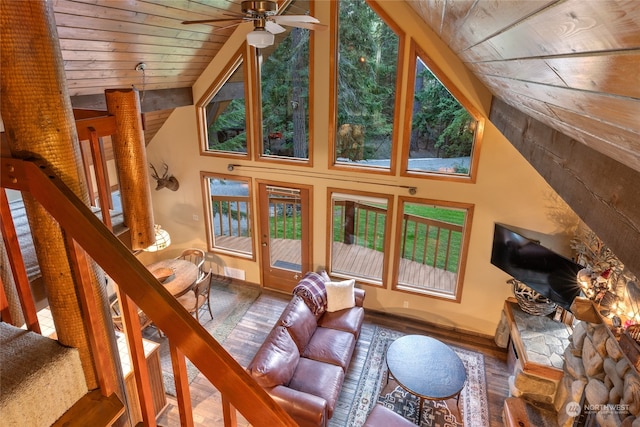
pixel 303 361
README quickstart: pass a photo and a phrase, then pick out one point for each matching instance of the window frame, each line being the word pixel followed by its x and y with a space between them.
pixel 333 99
pixel 240 58
pixel 386 240
pixel 464 249
pixel 208 214
pixel 414 52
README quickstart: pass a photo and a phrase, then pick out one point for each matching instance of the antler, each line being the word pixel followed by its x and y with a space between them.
pixel 154 174
pixel 168 181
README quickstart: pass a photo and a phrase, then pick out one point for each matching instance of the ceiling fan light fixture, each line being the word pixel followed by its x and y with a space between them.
pixel 260 38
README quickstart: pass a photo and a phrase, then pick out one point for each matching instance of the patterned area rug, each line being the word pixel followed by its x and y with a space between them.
pixel 372 387
pixel 229 303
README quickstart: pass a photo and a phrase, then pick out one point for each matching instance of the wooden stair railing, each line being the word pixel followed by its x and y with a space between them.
pixel 86 233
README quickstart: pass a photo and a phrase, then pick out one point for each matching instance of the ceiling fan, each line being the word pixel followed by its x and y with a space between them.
pixel 266 21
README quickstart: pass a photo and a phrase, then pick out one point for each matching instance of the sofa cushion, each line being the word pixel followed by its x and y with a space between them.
pixel 320 379
pixel 311 289
pixel 300 321
pixel 340 295
pixel 349 320
pixel 331 346
pixel 276 360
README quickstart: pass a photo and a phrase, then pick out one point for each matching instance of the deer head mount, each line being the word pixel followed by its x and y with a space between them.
pixel 166 181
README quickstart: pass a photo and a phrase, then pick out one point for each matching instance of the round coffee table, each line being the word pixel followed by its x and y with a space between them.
pixel 426 368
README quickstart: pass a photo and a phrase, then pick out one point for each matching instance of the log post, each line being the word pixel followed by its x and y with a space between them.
pixel 39 123
pixel 131 157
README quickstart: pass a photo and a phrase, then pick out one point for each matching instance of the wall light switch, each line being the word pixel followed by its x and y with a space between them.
pixel 196 217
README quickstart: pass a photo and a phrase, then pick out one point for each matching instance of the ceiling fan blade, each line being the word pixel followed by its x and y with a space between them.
pixel 287 19
pixel 274 28
pixel 300 21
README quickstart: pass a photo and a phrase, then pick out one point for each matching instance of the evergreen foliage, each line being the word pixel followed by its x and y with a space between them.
pixel 367 67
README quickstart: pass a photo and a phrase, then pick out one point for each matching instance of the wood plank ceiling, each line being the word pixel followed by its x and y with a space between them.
pixel 102 42
pixel 573 64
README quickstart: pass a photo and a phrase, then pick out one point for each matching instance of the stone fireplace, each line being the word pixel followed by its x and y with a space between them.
pixel 599 384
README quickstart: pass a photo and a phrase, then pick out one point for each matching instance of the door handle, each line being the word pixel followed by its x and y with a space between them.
pixel 264 243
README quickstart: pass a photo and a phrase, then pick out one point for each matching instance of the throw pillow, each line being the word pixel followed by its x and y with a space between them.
pixel 340 295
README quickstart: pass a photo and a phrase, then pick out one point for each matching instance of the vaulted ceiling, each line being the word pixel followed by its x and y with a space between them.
pixel 572 65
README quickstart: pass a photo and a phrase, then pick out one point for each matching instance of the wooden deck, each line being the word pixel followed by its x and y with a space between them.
pixel 358 261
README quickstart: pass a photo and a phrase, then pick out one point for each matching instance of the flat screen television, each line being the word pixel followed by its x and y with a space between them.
pixel 546 272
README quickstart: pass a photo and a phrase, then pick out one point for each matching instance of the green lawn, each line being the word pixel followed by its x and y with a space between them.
pixel 369 231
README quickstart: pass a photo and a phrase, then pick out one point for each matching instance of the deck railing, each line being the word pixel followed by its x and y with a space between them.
pixel 285 219
pixel 88 237
pixel 436 242
pixel 433 241
pixel 232 213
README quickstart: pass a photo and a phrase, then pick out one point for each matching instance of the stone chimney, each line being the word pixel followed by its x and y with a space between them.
pixel 599 383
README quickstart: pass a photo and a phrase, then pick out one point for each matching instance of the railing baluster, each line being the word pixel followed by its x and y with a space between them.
pixel 446 260
pixel 18 270
pixel 80 267
pixel 435 251
pixel 229 219
pixel 183 394
pixel 375 231
pixel 238 222
pixel 229 413
pixel 415 240
pixel 102 179
pixel 4 305
pixel 425 247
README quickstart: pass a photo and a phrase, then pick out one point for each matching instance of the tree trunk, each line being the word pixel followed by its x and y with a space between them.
pixel 297 98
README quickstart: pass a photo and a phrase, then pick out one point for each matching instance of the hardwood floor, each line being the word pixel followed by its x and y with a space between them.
pixel 247 337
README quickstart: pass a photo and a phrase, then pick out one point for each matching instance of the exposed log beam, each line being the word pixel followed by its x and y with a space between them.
pixel 603 192
pixel 154 100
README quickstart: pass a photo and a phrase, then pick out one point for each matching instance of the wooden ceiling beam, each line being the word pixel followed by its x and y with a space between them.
pixel 154 100
pixel 601 191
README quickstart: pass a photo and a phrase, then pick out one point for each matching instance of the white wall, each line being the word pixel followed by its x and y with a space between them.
pixel 507 190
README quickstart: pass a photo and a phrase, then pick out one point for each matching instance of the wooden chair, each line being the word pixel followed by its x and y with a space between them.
pixel 193 255
pixel 198 296
pixel 116 317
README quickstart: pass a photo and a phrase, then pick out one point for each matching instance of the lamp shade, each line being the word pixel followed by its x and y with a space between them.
pixel 163 240
pixel 260 38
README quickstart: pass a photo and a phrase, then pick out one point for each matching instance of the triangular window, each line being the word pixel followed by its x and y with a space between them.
pixel 443 130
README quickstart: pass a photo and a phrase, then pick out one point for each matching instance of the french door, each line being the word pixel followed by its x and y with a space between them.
pixel 285 247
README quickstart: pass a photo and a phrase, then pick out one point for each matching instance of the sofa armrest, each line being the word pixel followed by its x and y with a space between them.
pixel 304 408
pixel 359 296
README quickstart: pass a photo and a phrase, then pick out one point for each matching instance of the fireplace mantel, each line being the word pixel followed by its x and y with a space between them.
pixel 585 310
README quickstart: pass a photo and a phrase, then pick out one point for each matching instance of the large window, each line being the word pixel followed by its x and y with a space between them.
pixel 228 210
pixel 432 246
pixel 359 230
pixel 443 130
pixel 284 74
pixel 225 114
pixel 366 87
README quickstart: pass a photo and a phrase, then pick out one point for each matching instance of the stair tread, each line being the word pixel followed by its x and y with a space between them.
pixel 92 409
